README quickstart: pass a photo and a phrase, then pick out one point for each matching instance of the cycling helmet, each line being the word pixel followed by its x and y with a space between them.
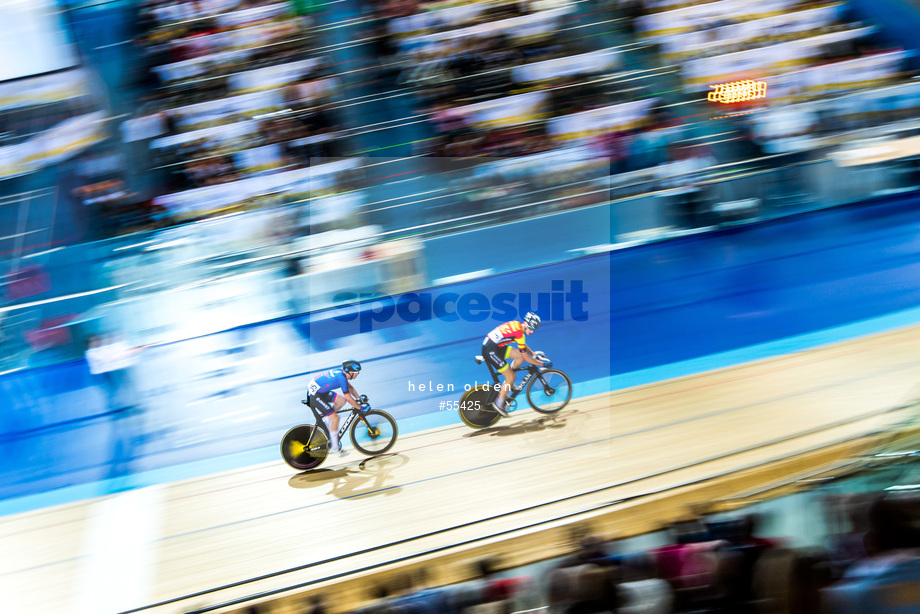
pixel 532 320
pixel 351 366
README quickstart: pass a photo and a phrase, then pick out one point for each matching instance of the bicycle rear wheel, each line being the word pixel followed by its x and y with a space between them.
pixel 294 447
pixel 374 433
pixel 549 391
pixel 474 408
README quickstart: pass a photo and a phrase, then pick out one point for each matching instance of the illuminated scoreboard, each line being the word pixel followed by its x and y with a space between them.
pixel 737 91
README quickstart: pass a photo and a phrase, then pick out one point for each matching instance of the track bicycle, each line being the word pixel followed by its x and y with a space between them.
pixel 548 391
pixel 373 432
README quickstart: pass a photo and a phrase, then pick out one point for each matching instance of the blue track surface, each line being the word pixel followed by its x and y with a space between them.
pixel 654 311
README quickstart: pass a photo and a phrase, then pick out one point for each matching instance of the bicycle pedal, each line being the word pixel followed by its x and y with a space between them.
pixel 502 411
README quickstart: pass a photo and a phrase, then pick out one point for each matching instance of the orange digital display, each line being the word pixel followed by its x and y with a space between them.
pixel 737 91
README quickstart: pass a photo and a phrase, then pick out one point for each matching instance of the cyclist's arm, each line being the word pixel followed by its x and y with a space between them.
pixel 527 353
pixel 352 397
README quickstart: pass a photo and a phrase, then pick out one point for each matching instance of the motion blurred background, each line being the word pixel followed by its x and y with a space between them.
pixel 203 188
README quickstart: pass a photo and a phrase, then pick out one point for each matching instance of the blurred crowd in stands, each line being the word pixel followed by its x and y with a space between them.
pixel 231 90
pixel 291 141
pixel 709 565
pixel 459 63
pixel 235 89
pixel 106 201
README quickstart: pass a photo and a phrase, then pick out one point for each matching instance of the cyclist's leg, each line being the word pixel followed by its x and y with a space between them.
pixel 496 357
pixel 332 420
pixel 324 403
pixel 517 359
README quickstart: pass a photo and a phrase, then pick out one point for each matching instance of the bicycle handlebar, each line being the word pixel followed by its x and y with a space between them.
pixel 362 402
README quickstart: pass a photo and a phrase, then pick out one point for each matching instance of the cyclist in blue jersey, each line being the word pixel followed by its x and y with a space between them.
pixel 322 397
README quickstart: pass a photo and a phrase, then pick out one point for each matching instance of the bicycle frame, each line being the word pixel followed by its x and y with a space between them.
pixel 532 370
pixel 320 423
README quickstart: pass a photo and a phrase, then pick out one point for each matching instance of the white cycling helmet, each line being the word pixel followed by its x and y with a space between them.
pixel 532 320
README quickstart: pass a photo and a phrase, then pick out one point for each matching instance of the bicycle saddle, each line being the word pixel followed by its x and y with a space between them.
pixel 479 360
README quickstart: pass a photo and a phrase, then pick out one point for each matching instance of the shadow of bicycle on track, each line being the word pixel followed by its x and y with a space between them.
pixel 524 427
pixel 369 477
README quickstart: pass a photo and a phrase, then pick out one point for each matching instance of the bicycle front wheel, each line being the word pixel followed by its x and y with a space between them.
pixel 374 433
pixel 295 451
pixel 549 391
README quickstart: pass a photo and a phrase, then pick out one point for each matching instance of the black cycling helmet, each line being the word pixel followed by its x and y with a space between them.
pixel 351 366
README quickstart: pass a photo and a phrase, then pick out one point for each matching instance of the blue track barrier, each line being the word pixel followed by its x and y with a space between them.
pixel 605 315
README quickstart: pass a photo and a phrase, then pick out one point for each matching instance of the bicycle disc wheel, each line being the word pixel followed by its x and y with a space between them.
pixel 375 433
pixel 473 410
pixel 550 391
pixel 294 447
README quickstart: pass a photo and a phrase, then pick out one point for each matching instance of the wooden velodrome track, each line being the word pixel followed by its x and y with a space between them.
pixel 451 492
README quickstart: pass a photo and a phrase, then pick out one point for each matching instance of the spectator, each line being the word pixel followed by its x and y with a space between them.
pixel 110 361
pixel 641 592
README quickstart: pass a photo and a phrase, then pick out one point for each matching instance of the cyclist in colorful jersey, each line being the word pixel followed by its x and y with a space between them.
pixel 509 341
pixel 322 397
